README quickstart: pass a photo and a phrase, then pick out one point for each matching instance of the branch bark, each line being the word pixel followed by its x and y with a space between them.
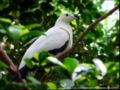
pixel 80 38
pixel 5 58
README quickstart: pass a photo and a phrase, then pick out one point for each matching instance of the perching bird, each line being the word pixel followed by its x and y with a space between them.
pixel 56 39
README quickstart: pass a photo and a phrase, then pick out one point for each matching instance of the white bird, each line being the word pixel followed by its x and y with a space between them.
pixel 56 39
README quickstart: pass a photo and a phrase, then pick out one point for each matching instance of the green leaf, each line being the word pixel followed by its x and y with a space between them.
pixel 32 34
pixel 4 4
pixel 33 80
pixel 36 56
pixel 6 20
pixel 80 71
pixel 117 2
pixel 43 55
pixel 15 32
pixel 56 61
pixel 51 85
pixel 3 66
pixel 70 64
pixel 43 86
pixel 100 66
pixel 91 83
pixel 3 31
pixel 32 26
pixel 29 63
pixel 24 32
pixel 112 67
pixel 67 83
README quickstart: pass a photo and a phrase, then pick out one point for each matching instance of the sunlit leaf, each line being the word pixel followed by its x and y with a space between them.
pixel 33 80
pixel 67 83
pixel 2 73
pixel 15 32
pixel 51 85
pixel 6 20
pixel 55 61
pixel 100 66
pixel 28 34
pixel 80 70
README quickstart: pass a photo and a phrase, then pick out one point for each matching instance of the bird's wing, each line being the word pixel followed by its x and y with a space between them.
pixel 54 38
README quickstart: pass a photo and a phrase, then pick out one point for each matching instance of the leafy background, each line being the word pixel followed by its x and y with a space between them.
pixel 22 20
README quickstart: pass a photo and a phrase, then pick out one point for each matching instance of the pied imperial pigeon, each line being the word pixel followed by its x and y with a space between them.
pixel 56 39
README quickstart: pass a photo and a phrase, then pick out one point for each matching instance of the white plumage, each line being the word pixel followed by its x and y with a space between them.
pixel 55 38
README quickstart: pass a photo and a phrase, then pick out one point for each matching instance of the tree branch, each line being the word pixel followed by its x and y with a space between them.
pixel 5 58
pixel 80 38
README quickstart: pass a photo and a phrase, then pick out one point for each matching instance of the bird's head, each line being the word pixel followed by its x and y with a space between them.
pixel 66 17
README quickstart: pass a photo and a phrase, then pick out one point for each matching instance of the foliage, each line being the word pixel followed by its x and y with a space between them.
pixel 22 20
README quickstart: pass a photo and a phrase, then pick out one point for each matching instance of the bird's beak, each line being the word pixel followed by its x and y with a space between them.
pixel 73 17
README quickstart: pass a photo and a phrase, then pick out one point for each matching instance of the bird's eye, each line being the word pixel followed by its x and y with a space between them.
pixel 66 14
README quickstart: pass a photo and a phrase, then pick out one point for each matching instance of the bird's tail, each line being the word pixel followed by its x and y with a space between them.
pixel 21 74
